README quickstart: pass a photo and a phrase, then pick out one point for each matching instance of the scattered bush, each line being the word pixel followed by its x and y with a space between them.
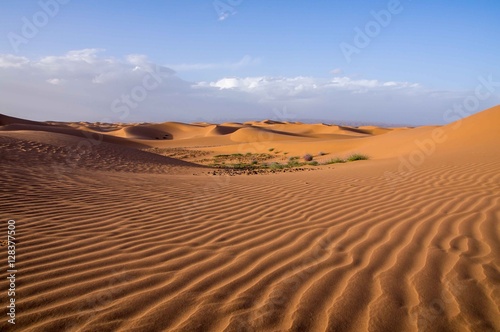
pixel 294 163
pixel 255 161
pixel 308 157
pixel 357 156
pixel 276 166
pixel 352 157
pixel 335 161
pixel 271 149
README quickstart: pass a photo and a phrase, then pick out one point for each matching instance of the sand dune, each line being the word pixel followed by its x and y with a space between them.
pixel 8 120
pixel 222 130
pixel 374 130
pixel 65 153
pixel 477 130
pixel 255 134
pixel 119 239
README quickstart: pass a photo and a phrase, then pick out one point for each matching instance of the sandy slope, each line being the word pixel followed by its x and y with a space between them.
pixel 117 239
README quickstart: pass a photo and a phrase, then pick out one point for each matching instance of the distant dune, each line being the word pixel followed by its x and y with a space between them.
pixel 141 227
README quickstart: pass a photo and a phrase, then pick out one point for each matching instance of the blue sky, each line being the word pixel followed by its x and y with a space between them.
pixel 235 59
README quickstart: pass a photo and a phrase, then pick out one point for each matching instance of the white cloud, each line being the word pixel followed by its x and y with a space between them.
pixel 294 85
pixel 87 85
pixel 9 60
pixel 246 61
pixel 87 57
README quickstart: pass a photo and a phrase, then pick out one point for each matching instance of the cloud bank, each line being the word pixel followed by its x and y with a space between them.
pixel 89 86
pixel 247 60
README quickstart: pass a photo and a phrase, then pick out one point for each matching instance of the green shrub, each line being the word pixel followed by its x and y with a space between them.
pixel 335 161
pixel 276 166
pixel 357 156
pixel 294 163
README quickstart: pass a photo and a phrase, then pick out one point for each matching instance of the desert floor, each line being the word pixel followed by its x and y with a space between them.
pixel 183 227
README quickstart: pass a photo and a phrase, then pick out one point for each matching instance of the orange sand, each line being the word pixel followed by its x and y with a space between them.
pixel 114 237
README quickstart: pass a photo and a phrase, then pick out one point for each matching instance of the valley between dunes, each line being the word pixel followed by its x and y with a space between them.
pixel 141 227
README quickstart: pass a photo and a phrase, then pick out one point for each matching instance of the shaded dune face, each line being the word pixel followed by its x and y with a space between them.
pixel 222 130
pixel 129 240
pixel 147 133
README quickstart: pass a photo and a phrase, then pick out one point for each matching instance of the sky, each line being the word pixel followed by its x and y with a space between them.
pixel 409 62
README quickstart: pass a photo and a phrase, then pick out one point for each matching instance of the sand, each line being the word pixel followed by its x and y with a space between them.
pixel 124 227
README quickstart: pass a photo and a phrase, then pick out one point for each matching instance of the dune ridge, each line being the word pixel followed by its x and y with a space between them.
pixel 344 248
